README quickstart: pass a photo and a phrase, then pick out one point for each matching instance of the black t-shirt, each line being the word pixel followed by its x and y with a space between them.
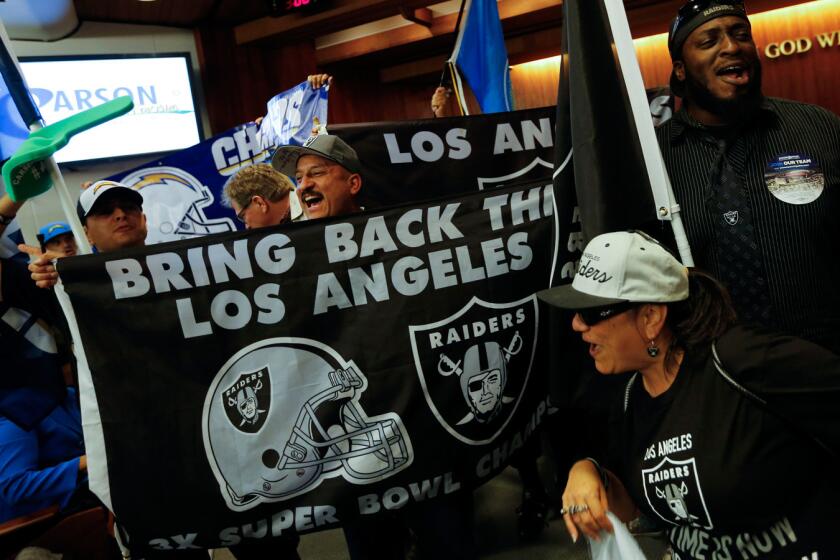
pixel 726 478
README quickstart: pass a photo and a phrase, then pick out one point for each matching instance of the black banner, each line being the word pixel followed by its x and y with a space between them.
pixel 610 177
pixel 408 161
pixel 251 384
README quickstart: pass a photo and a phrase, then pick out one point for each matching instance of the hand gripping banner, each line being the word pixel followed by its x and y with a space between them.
pixel 251 384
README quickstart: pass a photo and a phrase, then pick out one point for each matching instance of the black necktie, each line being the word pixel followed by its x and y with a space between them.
pixel 740 264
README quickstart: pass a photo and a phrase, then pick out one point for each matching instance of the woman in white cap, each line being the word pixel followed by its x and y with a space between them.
pixel 727 436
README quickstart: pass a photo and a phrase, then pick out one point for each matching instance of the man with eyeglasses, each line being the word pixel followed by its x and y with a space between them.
pixel 260 196
pixel 757 178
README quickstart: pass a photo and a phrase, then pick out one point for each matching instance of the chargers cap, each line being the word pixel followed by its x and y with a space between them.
pixel 93 193
pixel 52 230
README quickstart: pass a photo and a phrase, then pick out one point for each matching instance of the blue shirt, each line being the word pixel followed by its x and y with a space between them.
pixel 40 467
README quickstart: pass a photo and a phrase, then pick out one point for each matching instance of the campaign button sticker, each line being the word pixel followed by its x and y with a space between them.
pixel 794 178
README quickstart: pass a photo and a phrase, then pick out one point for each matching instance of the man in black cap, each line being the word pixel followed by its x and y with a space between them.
pixel 756 178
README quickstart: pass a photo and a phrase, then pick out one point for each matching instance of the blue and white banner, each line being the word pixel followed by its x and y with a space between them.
pixel 292 114
pixel 182 193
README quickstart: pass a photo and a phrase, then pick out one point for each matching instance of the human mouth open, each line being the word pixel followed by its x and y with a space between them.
pixel 312 200
pixel 735 74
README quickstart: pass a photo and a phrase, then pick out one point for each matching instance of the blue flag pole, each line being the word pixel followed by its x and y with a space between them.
pixel 31 116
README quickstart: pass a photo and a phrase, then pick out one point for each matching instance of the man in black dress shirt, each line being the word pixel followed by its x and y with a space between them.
pixel 757 178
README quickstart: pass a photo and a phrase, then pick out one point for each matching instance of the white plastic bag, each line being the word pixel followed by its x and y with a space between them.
pixel 619 545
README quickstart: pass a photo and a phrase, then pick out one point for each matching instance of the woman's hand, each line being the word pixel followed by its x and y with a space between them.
pixel 585 502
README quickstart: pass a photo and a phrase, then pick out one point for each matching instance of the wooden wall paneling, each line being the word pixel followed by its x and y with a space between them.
pixel 239 80
pixel 811 76
pixel 244 77
pixel 535 83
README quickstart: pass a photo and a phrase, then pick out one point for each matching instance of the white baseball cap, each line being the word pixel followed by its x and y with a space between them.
pixel 619 267
pixel 94 192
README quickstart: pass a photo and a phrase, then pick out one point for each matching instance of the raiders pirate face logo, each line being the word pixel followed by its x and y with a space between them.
pixel 247 400
pixel 474 365
pixel 672 489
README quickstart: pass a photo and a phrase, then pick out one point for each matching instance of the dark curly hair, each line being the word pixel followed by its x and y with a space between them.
pixel 703 317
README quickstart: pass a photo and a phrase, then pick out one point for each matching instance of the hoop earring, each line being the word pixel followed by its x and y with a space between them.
pixel 652 349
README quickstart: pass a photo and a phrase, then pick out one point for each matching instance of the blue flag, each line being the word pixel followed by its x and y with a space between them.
pixel 292 114
pixel 17 109
pixel 481 57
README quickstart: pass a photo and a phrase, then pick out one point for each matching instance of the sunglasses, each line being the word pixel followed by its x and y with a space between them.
pixel 106 208
pixel 691 9
pixel 594 315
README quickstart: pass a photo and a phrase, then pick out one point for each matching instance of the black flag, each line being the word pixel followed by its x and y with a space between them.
pixel 595 120
pixel 601 184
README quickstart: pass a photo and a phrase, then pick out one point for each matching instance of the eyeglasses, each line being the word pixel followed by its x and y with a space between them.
pixel 594 315
pixel 241 214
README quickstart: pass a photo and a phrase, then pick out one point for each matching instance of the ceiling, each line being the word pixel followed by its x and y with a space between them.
pixel 179 13
pixel 191 13
pixel 341 30
pixel 230 13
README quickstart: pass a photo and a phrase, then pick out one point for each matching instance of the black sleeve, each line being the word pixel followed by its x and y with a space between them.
pixel 799 379
pixel 18 290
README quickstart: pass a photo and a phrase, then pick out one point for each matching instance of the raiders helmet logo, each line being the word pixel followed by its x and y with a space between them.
pixel 284 414
pixel 474 365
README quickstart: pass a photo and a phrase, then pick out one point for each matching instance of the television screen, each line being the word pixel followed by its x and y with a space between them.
pixel 164 117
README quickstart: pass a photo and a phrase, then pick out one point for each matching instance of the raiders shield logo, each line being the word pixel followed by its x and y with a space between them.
pixel 672 489
pixel 731 217
pixel 537 169
pixel 474 365
pixel 247 401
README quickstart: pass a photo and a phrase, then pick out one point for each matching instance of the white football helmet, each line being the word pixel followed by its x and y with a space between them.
pixel 174 202
pixel 284 414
